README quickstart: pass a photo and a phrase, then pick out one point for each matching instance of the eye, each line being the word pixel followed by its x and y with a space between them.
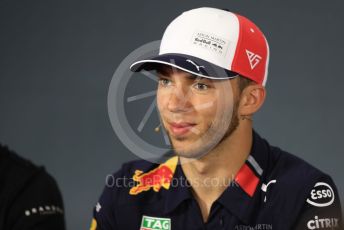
pixel 201 86
pixel 164 82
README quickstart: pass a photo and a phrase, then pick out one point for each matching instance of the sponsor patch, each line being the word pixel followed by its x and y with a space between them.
pixel 321 223
pixel 210 42
pixel 155 223
pixel 43 210
pixel 265 187
pixel 156 178
pixel 321 195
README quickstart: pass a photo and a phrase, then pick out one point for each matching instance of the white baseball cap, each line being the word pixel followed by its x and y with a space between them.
pixel 212 43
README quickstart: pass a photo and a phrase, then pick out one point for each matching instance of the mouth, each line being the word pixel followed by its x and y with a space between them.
pixel 180 128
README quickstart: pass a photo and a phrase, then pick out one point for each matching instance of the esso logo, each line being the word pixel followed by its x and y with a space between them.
pixel 322 195
pixel 318 194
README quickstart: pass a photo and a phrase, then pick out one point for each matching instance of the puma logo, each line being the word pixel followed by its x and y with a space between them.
pixel 197 66
pixel 265 187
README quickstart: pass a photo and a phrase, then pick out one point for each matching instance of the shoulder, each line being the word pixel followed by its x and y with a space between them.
pixel 121 181
pixel 135 178
pixel 18 169
pixel 296 185
pixel 22 171
pixel 137 183
pixel 293 173
pixel 30 196
pixel 287 178
pixel 293 170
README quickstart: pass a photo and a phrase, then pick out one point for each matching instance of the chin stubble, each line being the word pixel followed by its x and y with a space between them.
pixel 212 137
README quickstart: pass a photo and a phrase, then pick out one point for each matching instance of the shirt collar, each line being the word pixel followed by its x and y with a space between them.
pixel 178 192
pixel 244 194
pixel 240 197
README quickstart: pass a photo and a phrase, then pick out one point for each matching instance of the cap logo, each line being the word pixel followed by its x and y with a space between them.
pixel 211 42
pixel 197 66
pixel 253 58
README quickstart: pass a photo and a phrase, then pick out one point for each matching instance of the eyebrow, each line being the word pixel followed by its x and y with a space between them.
pixel 193 77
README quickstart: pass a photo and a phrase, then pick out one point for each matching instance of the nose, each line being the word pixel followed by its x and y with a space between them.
pixel 179 100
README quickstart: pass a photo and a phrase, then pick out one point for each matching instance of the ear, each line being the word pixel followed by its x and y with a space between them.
pixel 251 99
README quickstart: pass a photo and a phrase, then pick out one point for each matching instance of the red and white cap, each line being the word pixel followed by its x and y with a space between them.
pixel 208 41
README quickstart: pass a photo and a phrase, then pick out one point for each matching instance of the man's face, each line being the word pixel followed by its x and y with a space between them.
pixel 197 113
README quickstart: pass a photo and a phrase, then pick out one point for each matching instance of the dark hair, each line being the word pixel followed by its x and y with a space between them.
pixel 243 82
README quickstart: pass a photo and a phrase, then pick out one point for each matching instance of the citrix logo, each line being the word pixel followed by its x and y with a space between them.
pixel 322 223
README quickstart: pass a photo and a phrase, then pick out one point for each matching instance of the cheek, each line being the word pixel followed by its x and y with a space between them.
pixel 159 105
pixel 161 100
pixel 205 109
pixel 214 109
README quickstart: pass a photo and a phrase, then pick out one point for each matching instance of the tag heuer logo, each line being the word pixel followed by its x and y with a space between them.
pixel 155 223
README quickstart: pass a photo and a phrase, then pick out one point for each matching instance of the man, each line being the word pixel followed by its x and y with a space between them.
pixel 212 69
pixel 29 197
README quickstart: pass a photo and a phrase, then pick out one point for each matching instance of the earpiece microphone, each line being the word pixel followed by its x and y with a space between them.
pixel 157 129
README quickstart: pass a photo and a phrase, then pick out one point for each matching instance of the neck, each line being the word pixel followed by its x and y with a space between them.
pixel 221 165
pixel 226 158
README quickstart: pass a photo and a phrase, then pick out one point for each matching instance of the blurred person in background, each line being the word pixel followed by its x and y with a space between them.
pixel 29 196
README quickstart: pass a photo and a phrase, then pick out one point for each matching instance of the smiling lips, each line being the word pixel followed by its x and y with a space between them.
pixel 181 127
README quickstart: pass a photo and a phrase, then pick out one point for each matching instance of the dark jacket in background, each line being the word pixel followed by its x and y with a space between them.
pixel 29 196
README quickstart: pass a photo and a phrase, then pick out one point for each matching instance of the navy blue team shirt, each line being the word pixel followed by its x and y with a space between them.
pixel 272 190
